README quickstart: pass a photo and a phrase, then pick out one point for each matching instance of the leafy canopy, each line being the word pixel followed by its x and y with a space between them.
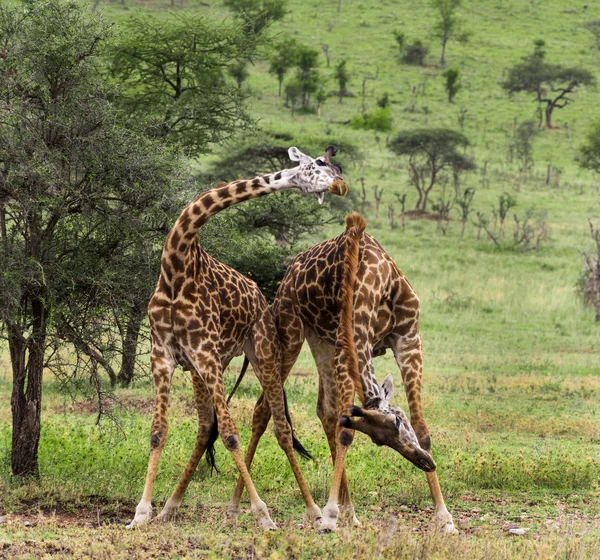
pixel 173 73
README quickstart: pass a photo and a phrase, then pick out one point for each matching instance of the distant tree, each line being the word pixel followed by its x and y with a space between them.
pixel 384 100
pixel 447 26
pixel 341 75
pixel 589 280
pixel 523 144
pixel 321 97
pixel 239 72
pixel 594 28
pixel 307 73
pixel 451 84
pixel 171 74
pixel 464 201
pixel 589 152
pixel 82 203
pixel 430 151
pixel 415 53
pixel 256 15
pixel 293 92
pixel 400 39
pixel 283 58
pixel 551 83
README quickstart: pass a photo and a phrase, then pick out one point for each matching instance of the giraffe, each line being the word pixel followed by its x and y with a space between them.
pixel 381 312
pixel 202 314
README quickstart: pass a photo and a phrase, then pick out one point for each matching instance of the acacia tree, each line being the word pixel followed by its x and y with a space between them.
pixel 77 192
pixel 551 83
pixel 430 152
pixel 447 26
pixel 172 75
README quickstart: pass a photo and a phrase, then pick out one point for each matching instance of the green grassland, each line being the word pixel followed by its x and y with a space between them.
pixel 512 359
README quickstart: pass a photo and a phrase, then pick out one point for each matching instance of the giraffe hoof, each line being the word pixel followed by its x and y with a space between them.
pixel 266 524
pixel 443 523
pixel 357 524
pixel 327 526
pixel 232 511
pixel 167 515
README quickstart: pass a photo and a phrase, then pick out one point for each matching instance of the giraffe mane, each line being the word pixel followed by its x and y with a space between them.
pixel 355 225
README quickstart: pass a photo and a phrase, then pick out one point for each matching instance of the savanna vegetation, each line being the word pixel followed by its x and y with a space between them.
pixel 468 138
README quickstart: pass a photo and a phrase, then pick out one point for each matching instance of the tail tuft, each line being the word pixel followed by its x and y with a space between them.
pixel 355 220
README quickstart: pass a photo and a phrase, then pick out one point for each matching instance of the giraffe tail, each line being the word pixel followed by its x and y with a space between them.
pixel 355 226
pixel 301 450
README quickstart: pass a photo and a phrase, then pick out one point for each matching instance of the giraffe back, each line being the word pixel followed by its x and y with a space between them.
pixel 381 291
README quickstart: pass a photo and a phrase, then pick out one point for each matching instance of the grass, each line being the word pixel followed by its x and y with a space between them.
pixel 512 359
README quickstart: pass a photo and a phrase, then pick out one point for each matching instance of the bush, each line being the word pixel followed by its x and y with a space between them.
pixel 415 53
pixel 380 119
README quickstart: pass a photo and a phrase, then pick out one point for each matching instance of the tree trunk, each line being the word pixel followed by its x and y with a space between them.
pixel 27 360
pixel 280 83
pixel 130 343
pixel 549 109
pixel 443 57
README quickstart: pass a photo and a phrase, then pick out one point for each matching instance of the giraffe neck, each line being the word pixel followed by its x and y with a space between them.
pixel 199 211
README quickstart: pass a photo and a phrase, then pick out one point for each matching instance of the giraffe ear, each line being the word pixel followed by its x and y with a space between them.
pixel 296 155
pixel 387 388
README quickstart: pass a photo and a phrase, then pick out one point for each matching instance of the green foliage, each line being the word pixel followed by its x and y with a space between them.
pixel 256 15
pixel 415 53
pixel 589 152
pixel 283 58
pixel 451 84
pixel 171 73
pixel 307 73
pixel 342 77
pixel 379 119
pixel 447 26
pixel 84 201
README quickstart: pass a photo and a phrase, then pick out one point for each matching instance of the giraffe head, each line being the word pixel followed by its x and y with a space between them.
pixel 318 175
pixel 388 425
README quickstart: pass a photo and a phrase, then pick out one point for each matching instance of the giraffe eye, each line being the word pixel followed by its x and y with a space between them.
pixel 320 162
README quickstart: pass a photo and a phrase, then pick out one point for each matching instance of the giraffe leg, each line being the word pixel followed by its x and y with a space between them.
pixel 323 355
pixel 262 349
pixel 162 371
pixel 408 354
pixel 291 337
pixel 260 421
pixel 211 368
pixel 343 440
pixel 204 407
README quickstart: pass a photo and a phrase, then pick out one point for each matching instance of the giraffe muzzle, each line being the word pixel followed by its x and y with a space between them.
pixel 338 187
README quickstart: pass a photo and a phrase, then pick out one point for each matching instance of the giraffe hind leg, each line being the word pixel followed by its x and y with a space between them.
pixel 211 369
pixel 263 351
pixel 206 425
pixel 162 371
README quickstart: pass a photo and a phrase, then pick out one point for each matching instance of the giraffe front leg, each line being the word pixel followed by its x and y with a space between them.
pixel 162 370
pixel 408 355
